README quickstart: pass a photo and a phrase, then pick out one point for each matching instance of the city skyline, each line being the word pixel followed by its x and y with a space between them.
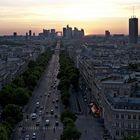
pixel 94 16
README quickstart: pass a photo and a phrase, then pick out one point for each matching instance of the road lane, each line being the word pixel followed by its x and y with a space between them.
pixel 48 85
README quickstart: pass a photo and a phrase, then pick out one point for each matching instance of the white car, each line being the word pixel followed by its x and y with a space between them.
pixel 37 104
pixel 34 116
pixel 34 136
pixel 47 122
pixel 27 137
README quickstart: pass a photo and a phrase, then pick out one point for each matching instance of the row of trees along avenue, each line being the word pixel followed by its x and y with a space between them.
pixel 15 95
pixel 69 76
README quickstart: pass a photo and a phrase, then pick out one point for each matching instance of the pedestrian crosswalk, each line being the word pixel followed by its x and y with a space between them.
pixel 41 128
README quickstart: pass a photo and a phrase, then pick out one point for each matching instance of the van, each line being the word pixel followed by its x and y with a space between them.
pixel 37 104
pixel 47 122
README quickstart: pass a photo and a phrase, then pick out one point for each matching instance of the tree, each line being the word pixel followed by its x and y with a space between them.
pixel 3 133
pixel 132 66
pixel 12 112
pixel 70 133
pixel 68 114
pixel 8 127
pixel 65 99
pixel 31 64
pixel 5 95
pixel 19 81
pixel 20 96
pixel 132 137
pixel 68 122
pixel 31 81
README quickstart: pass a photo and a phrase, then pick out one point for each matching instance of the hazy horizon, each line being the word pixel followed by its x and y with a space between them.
pixel 93 16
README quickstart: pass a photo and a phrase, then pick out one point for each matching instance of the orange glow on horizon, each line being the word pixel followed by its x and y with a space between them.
pixel 94 16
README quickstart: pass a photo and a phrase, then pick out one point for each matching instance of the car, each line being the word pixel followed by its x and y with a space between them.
pixel 38 121
pixel 34 136
pixel 53 101
pixel 40 112
pixel 27 137
pixel 56 123
pixel 41 108
pixel 35 110
pixel 85 97
pixel 85 100
pixel 34 116
pixel 56 116
pixel 56 106
pixel 37 104
pixel 47 122
pixel 57 100
pixel 52 112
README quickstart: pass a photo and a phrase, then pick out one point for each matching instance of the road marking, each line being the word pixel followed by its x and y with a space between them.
pixel 40 128
pixel 52 128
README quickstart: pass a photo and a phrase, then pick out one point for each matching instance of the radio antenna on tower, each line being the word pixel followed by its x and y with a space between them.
pixel 133 11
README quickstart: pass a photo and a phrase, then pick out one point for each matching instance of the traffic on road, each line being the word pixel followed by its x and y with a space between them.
pixel 42 113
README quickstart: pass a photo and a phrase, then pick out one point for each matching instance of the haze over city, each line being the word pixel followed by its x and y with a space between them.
pixel 70 70
pixel 92 15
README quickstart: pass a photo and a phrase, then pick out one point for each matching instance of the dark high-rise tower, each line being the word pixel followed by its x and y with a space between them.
pixel 30 33
pixel 64 32
pixel 133 30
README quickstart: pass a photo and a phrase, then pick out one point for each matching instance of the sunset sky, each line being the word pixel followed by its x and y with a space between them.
pixel 95 16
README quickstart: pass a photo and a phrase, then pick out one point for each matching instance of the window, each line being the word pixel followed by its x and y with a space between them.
pixel 134 126
pixel 117 124
pixel 134 117
pixel 125 107
pixel 117 133
pixel 129 116
pixel 139 126
pixel 122 116
pixel 122 125
pixel 122 133
pixel 129 125
pixel 117 116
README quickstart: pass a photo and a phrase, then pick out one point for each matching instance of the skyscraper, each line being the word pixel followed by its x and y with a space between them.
pixel 107 34
pixel 15 34
pixel 30 33
pixel 64 32
pixel 133 30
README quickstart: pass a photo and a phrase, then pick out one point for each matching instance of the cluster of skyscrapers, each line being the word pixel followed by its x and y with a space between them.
pixel 68 33
pixel 48 33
